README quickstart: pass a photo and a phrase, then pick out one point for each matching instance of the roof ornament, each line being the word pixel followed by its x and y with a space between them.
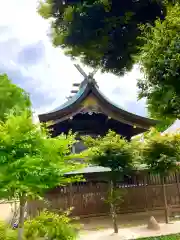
pixel 87 78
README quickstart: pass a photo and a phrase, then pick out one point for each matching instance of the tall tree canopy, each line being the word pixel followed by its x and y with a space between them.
pixel 11 97
pixel 160 61
pixel 102 33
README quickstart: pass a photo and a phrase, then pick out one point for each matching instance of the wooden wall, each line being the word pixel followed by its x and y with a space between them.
pixel 142 192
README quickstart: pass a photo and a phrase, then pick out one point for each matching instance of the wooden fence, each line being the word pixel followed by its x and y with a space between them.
pixel 143 192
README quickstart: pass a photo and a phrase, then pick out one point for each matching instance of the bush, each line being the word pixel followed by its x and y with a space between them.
pixel 167 237
pixel 52 226
pixel 6 233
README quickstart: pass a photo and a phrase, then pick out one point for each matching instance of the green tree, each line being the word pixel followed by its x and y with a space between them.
pixel 114 152
pixel 12 97
pixel 102 33
pixel 31 162
pixel 160 61
pixel 164 124
pixel 161 153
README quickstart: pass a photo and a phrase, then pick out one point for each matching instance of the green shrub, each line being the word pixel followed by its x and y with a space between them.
pixel 6 233
pixel 167 237
pixel 52 226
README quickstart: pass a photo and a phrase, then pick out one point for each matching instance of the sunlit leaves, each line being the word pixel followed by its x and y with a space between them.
pixel 111 151
pixel 12 97
pixel 160 60
pixel 30 160
pixel 161 153
pixel 45 9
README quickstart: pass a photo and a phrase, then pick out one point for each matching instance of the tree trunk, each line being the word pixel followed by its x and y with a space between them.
pixel 113 208
pixel 21 217
pixel 165 201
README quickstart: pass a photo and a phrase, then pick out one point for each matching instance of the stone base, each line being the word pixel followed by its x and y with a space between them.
pixel 153 224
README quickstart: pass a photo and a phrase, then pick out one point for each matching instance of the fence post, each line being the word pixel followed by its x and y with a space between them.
pixel 146 193
pixel 165 200
pixel 178 185
pixel 70 195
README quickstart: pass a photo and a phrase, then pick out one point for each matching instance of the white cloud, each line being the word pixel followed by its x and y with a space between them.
pixel 49 75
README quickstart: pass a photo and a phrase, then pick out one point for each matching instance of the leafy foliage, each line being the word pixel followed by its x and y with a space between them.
pixel 30 160
pixel 12 97
pixel 102 33
pixel 164 124
pixel 137 145
pixel 165 237
pixel 111 151
pixel 6 233
pixel 114 152
pixel 116 197
pixel 161 65
pixel 47 225
pixel 52 226
pixel 161 152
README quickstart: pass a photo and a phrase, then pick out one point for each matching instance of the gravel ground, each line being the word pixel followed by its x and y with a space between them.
pixel 131 232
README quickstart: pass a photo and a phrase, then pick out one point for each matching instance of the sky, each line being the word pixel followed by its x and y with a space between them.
pixel 28 57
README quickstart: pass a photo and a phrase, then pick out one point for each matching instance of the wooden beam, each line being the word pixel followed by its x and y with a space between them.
pixel 93 73
pixel 76 84
pixel 74 91
pixel 68 98
pixel 81 70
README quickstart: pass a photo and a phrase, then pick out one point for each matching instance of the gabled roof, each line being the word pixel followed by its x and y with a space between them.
pixel 90 88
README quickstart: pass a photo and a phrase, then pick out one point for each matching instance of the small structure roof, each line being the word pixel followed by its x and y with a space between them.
pixel 99 169
pixel 90 169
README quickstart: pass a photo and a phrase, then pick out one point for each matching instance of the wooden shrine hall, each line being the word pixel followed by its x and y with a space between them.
pixel 89 112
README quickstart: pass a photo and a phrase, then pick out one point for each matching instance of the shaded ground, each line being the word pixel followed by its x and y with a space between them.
pixel 124 220
pixel 130 232
pixel 131 226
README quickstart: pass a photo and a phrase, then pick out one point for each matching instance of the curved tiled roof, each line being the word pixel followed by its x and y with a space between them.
pixel 78 95
pixel 68 107
pixel 70 101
